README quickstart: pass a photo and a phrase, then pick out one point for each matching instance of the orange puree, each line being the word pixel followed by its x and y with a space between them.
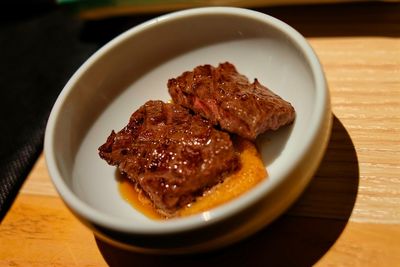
pixel 252 171
pixel 137 199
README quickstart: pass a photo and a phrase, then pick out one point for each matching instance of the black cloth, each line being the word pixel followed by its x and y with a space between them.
pixel 40 49
pixel 41 46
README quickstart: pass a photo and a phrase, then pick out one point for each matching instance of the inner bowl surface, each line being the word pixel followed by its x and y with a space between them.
pixel 135 67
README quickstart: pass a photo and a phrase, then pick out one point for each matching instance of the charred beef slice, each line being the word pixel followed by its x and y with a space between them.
pixel 170 153
pixel 227 98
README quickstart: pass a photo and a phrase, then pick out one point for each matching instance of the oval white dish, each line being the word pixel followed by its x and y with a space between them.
pixel 133 68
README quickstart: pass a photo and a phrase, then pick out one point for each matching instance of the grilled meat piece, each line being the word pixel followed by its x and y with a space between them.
pixel 227 98
pixel 170 153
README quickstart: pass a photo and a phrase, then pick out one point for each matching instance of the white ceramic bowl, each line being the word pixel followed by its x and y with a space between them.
pixel 134 68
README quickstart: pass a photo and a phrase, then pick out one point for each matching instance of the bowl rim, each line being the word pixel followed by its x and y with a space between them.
pixel 217 214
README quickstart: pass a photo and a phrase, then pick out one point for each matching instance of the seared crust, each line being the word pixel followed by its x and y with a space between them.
pixel 227 98
pixel 171 154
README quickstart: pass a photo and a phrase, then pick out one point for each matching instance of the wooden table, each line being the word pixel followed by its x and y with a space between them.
pixel 348 216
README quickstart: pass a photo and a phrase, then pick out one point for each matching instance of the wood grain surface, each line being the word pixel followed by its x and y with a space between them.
pixel 348 216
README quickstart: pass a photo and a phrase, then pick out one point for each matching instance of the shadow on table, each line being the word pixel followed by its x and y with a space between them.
pixel 298 238
pixel 343 19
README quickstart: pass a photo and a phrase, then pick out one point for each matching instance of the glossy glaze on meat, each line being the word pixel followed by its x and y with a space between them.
pixel 170 153
pixel 227 98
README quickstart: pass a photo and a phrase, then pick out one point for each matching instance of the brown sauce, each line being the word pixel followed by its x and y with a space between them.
pixel 252 172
